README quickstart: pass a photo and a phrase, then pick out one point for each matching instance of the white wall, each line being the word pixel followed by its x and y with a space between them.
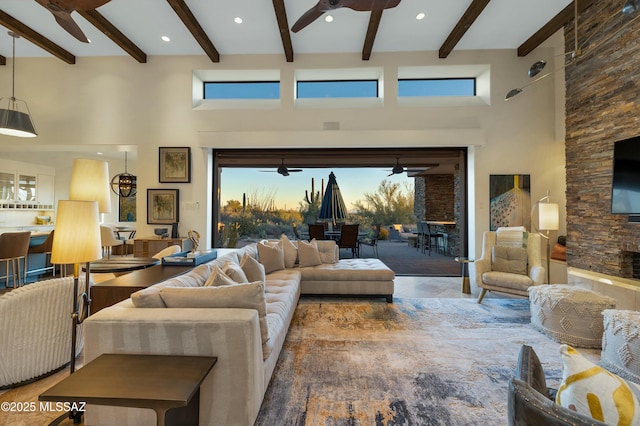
pixel 112 102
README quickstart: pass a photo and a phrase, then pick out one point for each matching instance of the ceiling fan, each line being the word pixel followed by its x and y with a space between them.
pixel 324 6
pixel 61 10
pixel 283 170
pixel 397 169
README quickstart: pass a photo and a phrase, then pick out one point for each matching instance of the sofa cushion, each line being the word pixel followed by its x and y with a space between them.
pixel 349 270
pixel 593 391
pixel 509 259
pixel 514 236
pixel 247 296
pixel 308 253
pixel 507 280
pixel 218 278
pixel 235 272
pixel 253 270
pixel 271 256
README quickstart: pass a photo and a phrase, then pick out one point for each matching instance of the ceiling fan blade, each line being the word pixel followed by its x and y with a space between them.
pixel 294 170
pixel 308 17
pixel 66 21
pixel 71 5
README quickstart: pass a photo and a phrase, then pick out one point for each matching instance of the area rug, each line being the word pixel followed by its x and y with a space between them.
pixel 413 362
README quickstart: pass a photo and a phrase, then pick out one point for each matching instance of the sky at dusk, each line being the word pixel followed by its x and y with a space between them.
pixel 289 190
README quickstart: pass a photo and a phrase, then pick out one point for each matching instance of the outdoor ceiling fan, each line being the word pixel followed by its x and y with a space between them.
pixel 324 6
pixel 397 169
pixel 61 10
pixel 283 170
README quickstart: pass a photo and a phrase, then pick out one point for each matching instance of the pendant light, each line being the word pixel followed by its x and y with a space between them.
pixel 14 122
pixel 124 184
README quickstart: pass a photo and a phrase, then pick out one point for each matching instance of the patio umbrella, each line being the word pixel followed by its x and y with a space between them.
pixel 332 206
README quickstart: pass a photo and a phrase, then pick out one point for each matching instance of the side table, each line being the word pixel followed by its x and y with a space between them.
pixel 465 261
pixel 169 385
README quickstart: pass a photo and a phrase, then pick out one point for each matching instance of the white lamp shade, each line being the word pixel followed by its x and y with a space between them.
pixel 90 182
pixel 77 235
pixel 548 217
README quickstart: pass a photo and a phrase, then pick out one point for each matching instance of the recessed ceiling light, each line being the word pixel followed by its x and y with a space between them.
pixel 328 18
pixel 420 16
pixel 237 20
pixel 165 38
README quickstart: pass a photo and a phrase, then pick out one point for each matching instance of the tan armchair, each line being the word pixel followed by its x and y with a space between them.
pixel 506 270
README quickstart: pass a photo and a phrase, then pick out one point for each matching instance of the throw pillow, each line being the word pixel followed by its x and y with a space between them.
pixel 272 257
pixel 290 251
pixel 244 296
pixel 235 272
pixel 509 259
pixel 218 278
pixel 593 391
pixel 328 251
pixel 253 269
pixel 308 253
pixel 515 236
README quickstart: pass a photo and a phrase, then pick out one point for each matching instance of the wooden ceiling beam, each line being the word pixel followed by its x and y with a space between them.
pixel 557 22
pixel 372 31
pixel 189 20
pixel 283 27
pixel 473 11
pixel 108 29
pixel 36 38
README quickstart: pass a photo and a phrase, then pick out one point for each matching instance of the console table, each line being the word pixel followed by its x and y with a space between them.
pixel 170 385
pixel 110 292
pixel 148 246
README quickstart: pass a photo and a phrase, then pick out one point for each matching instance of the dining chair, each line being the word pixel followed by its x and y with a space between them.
pixel 109 240
pixel 371 241
pixel 45 248
pixel 13 247
pixel 316 230
pixel 349 239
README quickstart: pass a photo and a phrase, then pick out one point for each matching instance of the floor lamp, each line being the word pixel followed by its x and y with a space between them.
pixel 548 220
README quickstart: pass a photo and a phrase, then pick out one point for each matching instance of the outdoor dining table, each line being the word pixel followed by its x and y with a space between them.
pixel 335 235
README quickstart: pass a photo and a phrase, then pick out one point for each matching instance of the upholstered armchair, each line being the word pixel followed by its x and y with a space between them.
pixel 509 265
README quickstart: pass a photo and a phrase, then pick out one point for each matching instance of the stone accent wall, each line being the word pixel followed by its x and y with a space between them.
pixel 439 197
pixel 419 207
pixel 602 106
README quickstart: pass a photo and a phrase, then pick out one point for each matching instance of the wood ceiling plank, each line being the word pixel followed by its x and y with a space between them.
pixel 283 27
pixel 473 11
pixel 372 30
pixel 189 20
pixel 550 28
pixel 108 29
pixel 36 38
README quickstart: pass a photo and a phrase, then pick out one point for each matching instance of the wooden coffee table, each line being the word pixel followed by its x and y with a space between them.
pixel 170 385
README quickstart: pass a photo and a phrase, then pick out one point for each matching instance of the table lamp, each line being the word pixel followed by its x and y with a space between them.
pixel 548 220
pixel 76 240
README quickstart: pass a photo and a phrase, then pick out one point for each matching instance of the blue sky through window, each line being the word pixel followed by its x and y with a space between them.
pixel 437 87
pixel 242 90
pixel 337 89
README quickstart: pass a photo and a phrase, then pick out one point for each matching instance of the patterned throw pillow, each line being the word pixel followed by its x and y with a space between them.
pixel 595 392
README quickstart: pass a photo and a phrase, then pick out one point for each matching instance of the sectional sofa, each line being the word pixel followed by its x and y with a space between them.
pixel 243 325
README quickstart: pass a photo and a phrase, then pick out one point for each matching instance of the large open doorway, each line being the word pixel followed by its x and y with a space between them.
pixel 427 167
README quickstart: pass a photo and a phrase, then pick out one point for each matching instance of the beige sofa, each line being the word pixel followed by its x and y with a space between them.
pixel 35 336
pixel 232 393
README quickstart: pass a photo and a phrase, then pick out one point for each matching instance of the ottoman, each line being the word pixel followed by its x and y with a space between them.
pixel 621 343
pixel 569 314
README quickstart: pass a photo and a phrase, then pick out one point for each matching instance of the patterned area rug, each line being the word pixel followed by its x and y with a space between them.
pixel 413 362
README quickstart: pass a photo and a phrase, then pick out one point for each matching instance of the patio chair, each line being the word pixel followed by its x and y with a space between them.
pixel 316 230
pixel 371 242
pixel 349 239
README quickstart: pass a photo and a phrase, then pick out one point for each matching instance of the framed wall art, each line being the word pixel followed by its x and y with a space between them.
pixel 127 209
pixel 174 165
pixel 162 206
pixel 510 201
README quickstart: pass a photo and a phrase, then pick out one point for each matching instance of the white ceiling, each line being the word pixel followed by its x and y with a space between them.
pixel 504 24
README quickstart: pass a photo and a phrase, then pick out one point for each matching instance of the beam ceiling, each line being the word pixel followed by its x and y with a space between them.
pixel 283 28
pixel 108 29
pixel 184 13
pixel 473 11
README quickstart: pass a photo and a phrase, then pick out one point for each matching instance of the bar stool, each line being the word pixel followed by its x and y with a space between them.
pixel 45 248
pixel 13 247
